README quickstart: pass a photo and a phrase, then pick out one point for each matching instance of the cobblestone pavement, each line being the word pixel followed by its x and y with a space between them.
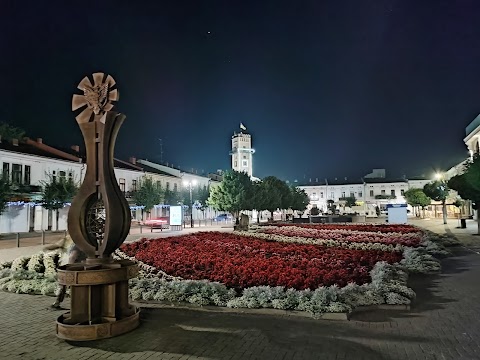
pixel 442 324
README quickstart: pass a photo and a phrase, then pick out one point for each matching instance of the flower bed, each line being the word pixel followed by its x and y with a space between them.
pixel 383 228
pixel 240 262
pixel 412 239
pixel 259 270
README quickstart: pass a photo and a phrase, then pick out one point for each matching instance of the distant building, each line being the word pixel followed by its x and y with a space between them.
pixel 374 190
pixel 242 152
pixel 376 173
pixel 472 136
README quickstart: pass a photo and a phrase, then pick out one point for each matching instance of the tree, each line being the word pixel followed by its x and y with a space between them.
pixel 8 132
pixel 57 192
pixel 417 198
pixel 201 198
pixel 278 194
pixel 438 190
pixel 148 194
pixel 5 192
pixel 299 199
pixel 331 206
pixel 350 201
pixel 171 197
pixel 259 198
pixel 466 185
pixel 233 194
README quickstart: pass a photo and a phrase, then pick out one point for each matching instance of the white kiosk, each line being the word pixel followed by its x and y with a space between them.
pixel 397 213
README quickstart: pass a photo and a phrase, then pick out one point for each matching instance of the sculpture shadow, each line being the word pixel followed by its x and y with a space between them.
pixel 213 335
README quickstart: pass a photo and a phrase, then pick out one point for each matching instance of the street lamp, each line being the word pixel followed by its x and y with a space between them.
pixel 190 185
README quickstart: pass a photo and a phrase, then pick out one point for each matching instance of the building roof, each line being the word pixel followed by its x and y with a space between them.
pixel 24 148
pixel 332 182
pixel 156 171
pixel 383 180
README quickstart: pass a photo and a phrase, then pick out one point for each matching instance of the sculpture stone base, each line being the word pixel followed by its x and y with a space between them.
pixel 99 300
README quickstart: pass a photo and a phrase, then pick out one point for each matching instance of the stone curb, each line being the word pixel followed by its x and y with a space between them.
pixel 267 311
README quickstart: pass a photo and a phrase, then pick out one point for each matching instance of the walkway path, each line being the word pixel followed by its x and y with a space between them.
pixel 443 324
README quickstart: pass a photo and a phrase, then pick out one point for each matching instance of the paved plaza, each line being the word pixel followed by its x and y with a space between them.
pixel 442 324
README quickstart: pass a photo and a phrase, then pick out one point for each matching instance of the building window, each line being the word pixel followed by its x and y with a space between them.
pixel 6 171
pixel 244 156
pixel 360 194
pixel 134 185
pixel 371 193
pixel 159 184
pixel 321 194
pixel 383 192
pixel 54 175
pixel 245 163
pixel 352 194
pixel 314 196
pixel 236 164
pixel 175 187
pixel 70 175
pixel 332 195
pixel 167 186
pixel 343 194
pixel 392 192
pixel 26 176
pixel 121 183
pixel 16 173
pixel 62 175
pixel 402 192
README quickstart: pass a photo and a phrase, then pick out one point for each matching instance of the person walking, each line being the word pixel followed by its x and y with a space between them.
pixel 71 255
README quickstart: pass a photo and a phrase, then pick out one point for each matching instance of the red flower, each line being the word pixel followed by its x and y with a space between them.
pixel 240 262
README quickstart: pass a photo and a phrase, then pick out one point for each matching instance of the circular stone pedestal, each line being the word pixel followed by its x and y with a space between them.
pixel 99 300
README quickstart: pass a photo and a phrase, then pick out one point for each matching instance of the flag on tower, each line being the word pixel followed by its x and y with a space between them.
pixel 242 127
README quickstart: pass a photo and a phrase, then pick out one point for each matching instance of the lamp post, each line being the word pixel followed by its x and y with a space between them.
pixel 190 185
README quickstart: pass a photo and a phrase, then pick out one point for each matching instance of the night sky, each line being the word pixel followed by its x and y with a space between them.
pixel 326 88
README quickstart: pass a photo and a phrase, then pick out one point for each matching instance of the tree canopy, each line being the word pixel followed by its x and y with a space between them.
pixel 233 194
pixel 8 132
pixel 148 194
pixel 417 198
pixel 466 184
pixel 5 192
pixel 299 199
pixel 279 195
pixel 57 192
pixel 438 190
